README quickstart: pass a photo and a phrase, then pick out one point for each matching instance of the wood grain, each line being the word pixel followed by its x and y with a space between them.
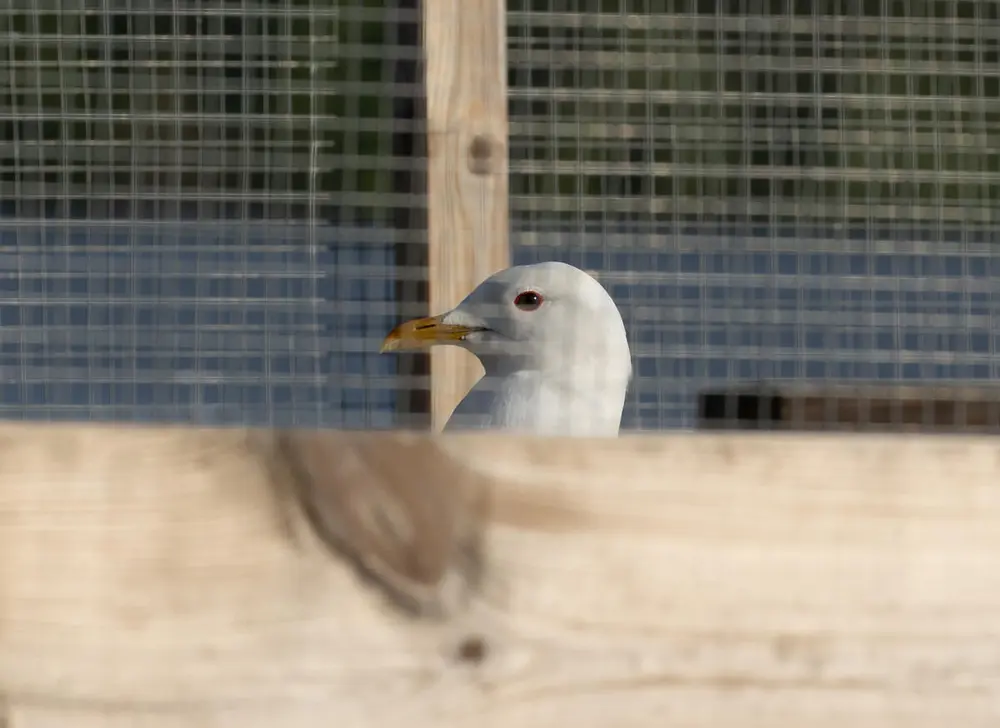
pixel 169 577
pixel 466 80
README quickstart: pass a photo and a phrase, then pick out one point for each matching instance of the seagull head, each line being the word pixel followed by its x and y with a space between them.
pixel 549 317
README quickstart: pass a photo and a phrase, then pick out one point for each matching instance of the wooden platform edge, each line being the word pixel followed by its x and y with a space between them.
pixel 172 576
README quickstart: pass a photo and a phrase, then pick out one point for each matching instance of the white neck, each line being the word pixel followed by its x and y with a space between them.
pixel 534 403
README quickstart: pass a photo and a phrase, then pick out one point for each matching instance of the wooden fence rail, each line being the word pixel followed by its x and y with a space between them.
pixel 185 577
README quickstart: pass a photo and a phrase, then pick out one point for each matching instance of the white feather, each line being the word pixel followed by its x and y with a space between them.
pixel 562 369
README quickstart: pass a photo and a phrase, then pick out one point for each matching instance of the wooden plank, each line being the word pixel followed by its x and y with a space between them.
pixel 466 79
pixel 852 408
pixel 190 577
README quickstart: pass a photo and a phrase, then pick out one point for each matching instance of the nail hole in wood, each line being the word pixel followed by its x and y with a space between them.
pixel 483 153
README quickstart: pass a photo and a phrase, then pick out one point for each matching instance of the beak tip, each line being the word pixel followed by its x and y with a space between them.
pixel 391 343
pixel 421 334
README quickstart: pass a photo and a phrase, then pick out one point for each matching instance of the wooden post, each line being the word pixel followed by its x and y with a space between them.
pixel 466 81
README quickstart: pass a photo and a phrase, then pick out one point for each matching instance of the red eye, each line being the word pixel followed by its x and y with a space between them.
pixel 528 301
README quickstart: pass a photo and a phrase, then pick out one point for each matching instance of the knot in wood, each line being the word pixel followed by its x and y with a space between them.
pixel 484 154
pixel 472 650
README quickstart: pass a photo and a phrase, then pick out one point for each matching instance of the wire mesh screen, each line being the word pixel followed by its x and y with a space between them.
pixel 772 190
pixel 210 210
pixel 203 204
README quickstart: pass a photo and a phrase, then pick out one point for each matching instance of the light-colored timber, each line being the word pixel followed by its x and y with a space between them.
pixel 465 62
pixel 190 577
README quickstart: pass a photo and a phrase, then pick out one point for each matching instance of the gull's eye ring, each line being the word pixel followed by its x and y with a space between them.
pixel 528 300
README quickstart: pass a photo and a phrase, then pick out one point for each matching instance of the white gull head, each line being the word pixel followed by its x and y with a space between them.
pixel 553 347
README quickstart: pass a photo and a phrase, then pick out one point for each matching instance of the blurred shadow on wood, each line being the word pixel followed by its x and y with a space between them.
pixel 406 514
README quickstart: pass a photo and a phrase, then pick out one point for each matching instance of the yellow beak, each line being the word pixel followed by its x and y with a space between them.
pixel 424 332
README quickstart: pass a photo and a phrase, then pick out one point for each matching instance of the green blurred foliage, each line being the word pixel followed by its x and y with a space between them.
pixel 275 83
pixel 607 99
pixel 657 99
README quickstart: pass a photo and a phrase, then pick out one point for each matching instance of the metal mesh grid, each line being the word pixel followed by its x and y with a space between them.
pixel 208 211
pixel 771 190
pixel 202 207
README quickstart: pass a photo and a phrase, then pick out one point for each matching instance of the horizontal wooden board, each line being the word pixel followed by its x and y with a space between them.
pixel 190 577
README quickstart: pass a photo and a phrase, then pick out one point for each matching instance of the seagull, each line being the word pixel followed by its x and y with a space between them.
pixel 552 345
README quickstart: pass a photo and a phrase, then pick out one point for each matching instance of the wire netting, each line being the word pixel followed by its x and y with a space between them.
pixel 211 210
pixel 772 190
pixel 202 208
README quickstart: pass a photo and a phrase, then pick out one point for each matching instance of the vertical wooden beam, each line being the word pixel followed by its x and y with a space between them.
pixel 466 79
